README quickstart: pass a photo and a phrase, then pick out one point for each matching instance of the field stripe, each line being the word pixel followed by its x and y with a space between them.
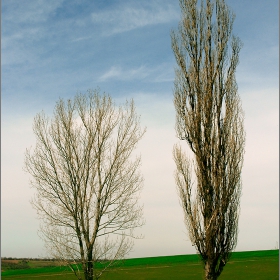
pixel 33 276
pixel 116 269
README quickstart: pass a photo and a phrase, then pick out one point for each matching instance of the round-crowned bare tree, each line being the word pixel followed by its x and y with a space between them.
pixel 87 181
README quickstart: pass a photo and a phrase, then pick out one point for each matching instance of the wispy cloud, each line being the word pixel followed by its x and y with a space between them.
pixel 126 18
pixel 81 38
pixel 116 72
pixel 33 11
pixel 161 73
pixel 24 27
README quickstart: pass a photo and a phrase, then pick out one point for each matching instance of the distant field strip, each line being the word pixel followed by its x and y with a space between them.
pixel 256 265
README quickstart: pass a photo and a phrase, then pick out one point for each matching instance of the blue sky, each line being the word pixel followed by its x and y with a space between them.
pixel 53 49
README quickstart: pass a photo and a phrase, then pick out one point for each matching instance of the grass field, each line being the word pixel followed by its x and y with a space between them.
pixel 255 265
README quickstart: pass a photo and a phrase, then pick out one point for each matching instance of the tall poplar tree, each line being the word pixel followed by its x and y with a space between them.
pixel 209 118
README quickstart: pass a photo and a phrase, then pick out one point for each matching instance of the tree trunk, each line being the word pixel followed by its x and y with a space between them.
pixel 89 267
pixel 210 271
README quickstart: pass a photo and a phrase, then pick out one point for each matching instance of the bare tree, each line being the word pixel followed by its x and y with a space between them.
pixel 87 181
pixel 209 117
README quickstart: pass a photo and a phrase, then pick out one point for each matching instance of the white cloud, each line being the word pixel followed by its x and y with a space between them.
pixel 165 232
pixel 259 202
pixel 128 18
pixel 18 219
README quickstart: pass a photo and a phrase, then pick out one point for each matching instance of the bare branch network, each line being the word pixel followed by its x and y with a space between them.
pixel 87 180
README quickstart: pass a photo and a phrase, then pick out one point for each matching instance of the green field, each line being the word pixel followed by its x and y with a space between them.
pixel 255 265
